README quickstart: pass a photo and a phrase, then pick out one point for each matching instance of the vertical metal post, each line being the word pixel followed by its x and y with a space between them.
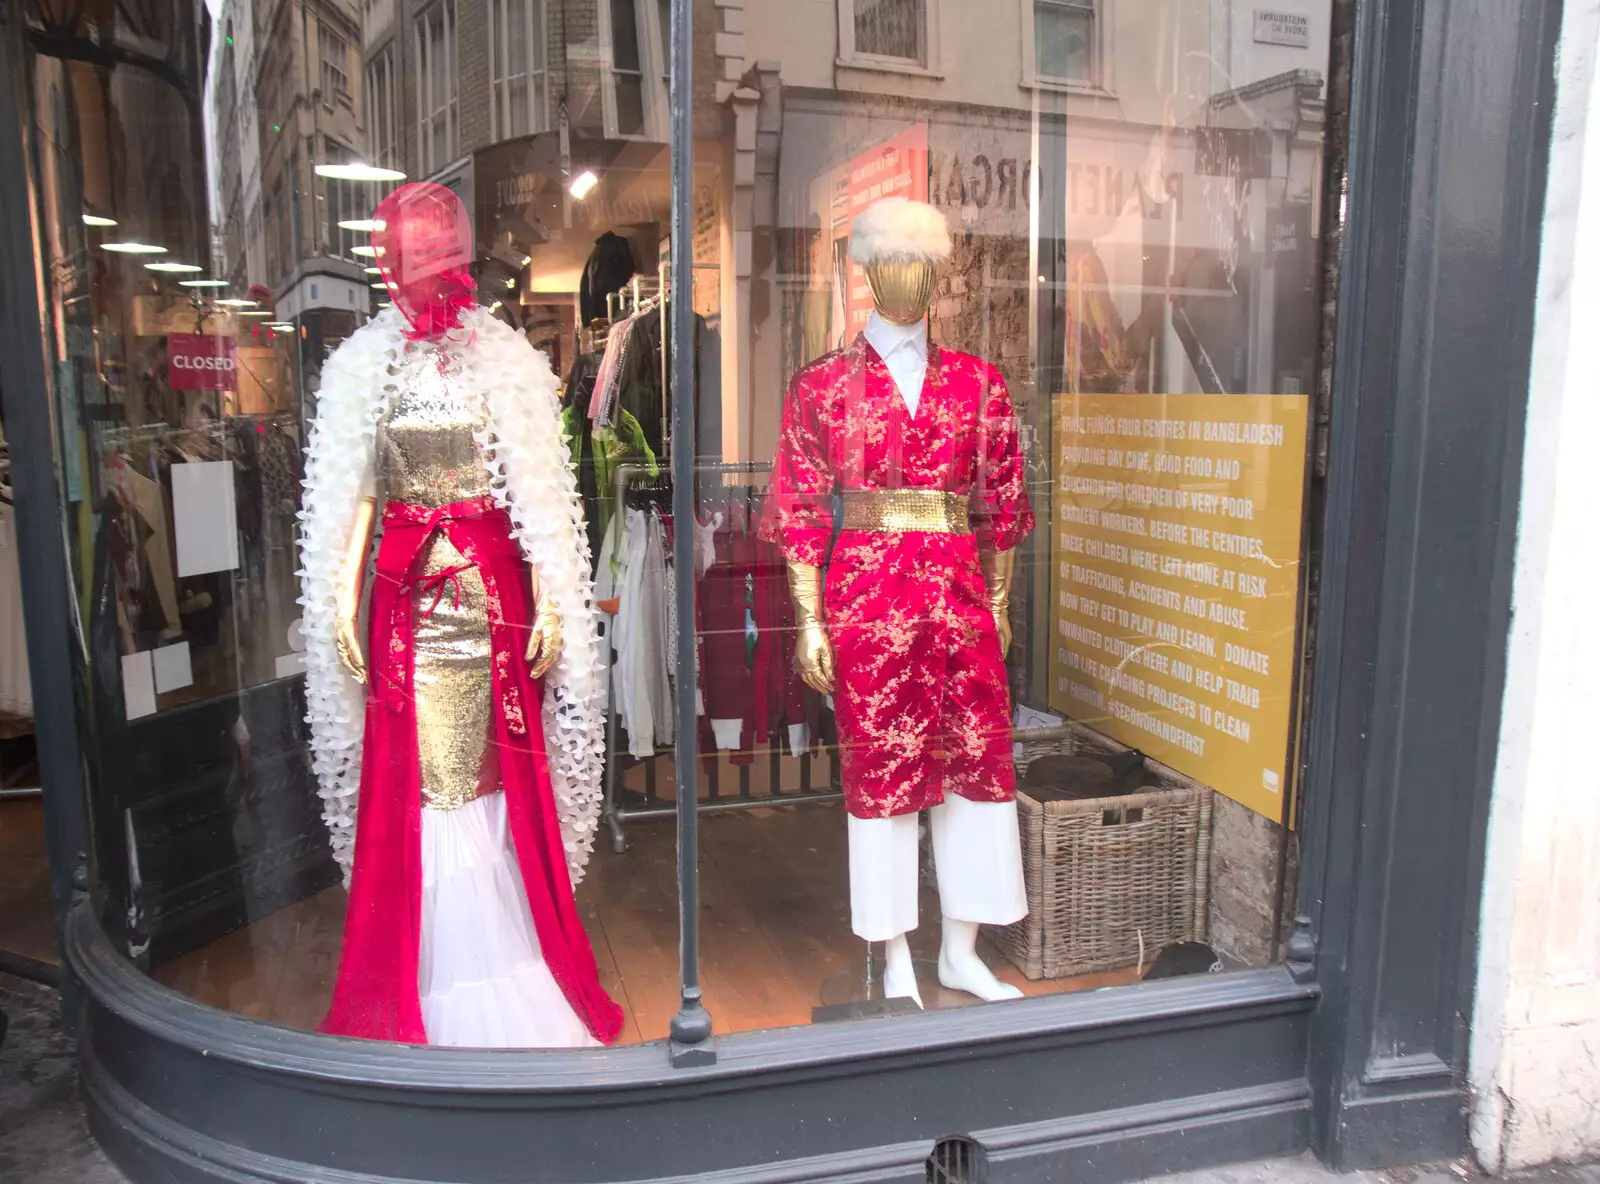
pixel 691 1027
pixel 54 639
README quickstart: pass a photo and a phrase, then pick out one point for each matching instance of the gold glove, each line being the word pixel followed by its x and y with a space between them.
pixel 997 569
pixel 352 571
pixel 812 650
pixel 544 643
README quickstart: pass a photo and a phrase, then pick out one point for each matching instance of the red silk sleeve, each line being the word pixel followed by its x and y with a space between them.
pixel 1001 514
pixel 799 513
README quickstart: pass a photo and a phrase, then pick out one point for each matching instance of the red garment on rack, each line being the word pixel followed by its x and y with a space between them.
pixel 725 678
pixel 779 691
pixel 376 994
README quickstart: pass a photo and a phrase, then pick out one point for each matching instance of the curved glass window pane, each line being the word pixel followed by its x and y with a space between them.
pixel 1003 395
pixel 1001 350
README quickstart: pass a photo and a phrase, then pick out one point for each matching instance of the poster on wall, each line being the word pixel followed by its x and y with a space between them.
pixel 1175 585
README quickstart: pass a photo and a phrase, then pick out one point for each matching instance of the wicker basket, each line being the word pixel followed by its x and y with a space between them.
pixel 1110 881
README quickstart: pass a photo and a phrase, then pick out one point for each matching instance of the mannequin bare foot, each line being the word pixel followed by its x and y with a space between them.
pixel 899 977
pixel 961 969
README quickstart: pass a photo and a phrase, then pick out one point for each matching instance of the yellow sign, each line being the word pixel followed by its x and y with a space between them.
pixel 1175 588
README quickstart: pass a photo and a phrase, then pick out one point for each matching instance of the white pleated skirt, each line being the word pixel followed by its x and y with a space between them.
pixel 482 980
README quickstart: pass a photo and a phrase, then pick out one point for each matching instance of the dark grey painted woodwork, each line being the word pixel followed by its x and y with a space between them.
pixel 1113 1084
pixel 55 655
pixel 1448 148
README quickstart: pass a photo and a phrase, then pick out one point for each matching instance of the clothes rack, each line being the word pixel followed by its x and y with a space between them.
pixel 614 812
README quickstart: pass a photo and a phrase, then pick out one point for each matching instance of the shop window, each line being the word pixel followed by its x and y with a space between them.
pixel 1064 33
pixel 335 53
pixel 517 60
pixel 1132 296
pixel 436 81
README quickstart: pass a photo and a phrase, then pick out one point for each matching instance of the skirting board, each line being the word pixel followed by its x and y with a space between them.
pixel 1104 1148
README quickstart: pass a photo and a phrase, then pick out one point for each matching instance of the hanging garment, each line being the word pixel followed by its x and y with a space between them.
pixel 610 265
pixel 642 383
pixel 656 578
pixel 150 499
pixel 920 697
pixel 576 392
pixel 723 593
pixel 644 693
pixel 605 381
pixel 777 690
pixel 616 445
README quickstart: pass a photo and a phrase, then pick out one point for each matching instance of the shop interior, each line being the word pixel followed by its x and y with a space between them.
pixel 776 947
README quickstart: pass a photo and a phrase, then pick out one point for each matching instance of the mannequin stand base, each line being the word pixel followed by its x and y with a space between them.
pixel 857 992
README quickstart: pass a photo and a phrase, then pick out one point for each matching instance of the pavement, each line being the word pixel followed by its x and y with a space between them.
pixel 44 1140
pixel 1303 1169
pixel 43 1136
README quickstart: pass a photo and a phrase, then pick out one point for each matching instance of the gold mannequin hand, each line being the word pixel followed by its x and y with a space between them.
pixel 352 573
pixel 813 651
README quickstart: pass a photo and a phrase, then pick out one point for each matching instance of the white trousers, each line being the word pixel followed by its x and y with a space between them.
pixel 977 855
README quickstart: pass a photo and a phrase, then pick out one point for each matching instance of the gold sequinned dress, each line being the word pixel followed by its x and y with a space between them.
pixel 481 978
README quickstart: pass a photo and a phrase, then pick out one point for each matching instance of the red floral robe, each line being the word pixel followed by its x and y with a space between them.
pixel 920 694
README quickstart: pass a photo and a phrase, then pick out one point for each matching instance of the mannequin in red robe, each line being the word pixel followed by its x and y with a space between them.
pixel 909 628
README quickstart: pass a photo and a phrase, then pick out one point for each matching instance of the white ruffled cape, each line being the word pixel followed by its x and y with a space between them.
pixel 530 472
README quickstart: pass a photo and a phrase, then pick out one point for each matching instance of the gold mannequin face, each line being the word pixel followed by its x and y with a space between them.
pixel 902 289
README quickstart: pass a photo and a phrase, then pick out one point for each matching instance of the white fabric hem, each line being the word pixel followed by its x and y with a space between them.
pixel 481 978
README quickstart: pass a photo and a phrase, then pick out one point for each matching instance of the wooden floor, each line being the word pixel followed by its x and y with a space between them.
pixel 774 924
pixel 26 922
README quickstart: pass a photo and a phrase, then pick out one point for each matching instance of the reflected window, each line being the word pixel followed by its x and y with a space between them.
pixel 382 121
pixel 1063 39
pixel 627 69
pixel 335 65
pixel 342 203
pixel 437 79
pixel 891 29
pixel 637 96
pixel 517 58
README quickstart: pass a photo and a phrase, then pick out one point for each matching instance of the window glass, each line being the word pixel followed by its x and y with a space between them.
pixel 1004 372
pixel 1003 351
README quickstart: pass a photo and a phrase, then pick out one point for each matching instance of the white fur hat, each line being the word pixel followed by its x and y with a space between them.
pixel 896 228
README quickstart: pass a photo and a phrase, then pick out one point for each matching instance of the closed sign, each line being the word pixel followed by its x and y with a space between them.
pixel 201 362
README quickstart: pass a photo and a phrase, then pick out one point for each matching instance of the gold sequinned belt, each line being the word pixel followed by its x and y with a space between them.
pixel 897 510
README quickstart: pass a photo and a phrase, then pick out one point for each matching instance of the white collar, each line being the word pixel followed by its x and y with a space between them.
pixel 887 337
